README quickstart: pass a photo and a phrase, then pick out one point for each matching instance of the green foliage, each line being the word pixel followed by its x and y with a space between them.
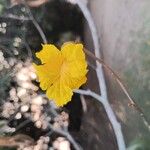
pixel 3 4
pixel 1 8
pixel 4 84
pixel 140 144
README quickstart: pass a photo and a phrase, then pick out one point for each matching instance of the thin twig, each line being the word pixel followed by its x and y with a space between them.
pixel 83 102
pixel 63 130
pixel 90 93
pixel 100 75
pixel 28 49
pixel 22 124
pixel 68 136
pixel 123 87
pixel 99 71
pixel 35 22
pixel 15 17
pixel 110 114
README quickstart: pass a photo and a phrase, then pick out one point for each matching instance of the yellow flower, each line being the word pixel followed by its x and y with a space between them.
pixel 61 71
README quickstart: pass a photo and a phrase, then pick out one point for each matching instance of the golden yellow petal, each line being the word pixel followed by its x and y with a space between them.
pixel 61 71
pixel 77 69
pixel 47 74
pixel 60 93
pixel 49 52
pixel 75 65
pixel 75 83
pixel 72 51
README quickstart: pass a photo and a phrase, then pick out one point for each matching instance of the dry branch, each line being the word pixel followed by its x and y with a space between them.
pixel 16 140
pixel 121 84
pixel 100 75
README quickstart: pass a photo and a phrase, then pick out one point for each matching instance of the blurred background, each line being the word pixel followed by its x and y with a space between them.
pixel 124 31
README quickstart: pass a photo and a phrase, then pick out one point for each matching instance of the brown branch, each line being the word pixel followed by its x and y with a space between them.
pixel 37 26
pixel 36 3
pixel 31 3
pixel 16 140
pixel 123 87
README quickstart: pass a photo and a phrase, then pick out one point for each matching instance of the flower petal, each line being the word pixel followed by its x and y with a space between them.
pixel 47 74
pixel 61 71
pixel 75 83
pixel 77 69
pixel 48 53
pixel 72 51
pixel 60 93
